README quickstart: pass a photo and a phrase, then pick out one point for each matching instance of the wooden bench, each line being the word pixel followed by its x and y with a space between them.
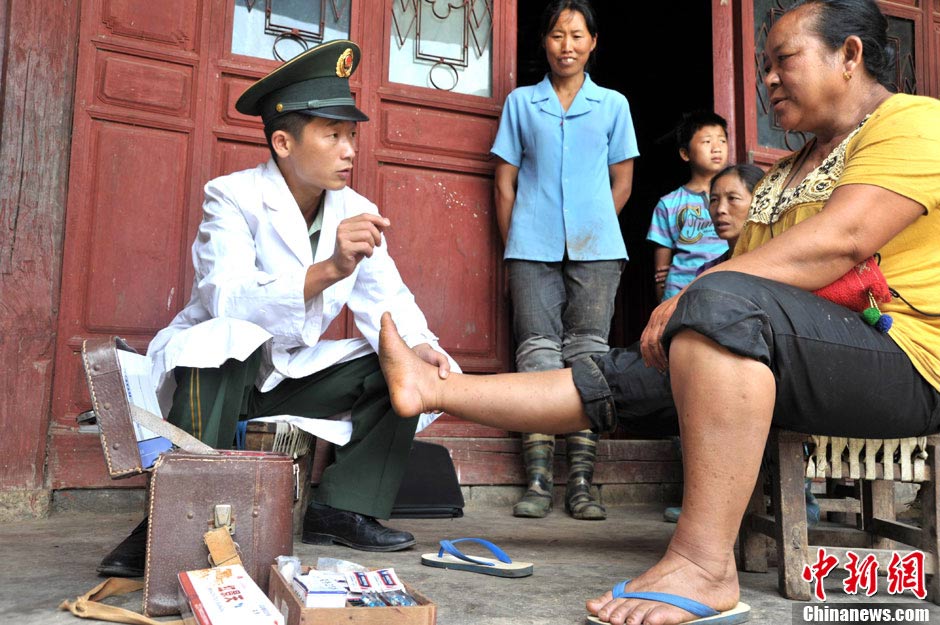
pixel 875 465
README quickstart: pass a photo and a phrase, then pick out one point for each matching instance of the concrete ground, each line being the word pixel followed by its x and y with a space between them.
pixel 46 561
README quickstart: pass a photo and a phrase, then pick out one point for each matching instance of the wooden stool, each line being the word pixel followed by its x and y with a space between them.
pixel 877 529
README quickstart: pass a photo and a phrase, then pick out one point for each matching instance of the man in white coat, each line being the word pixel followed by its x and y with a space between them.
pixel 281 249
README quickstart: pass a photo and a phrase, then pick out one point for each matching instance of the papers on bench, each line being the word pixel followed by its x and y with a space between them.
pixel 337 430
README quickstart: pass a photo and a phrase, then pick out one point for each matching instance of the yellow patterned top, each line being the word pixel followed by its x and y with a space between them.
pixel 897 148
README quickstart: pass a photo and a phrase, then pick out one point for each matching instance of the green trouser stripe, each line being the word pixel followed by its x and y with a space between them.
pixel 367 471
pixel 208 402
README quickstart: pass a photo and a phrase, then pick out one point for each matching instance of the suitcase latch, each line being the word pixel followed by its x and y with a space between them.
pixel 297 485
pixel 222 516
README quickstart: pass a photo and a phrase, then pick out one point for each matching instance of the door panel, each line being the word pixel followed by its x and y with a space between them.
pixel 935 80
pixel 433 171
pixel 130 220
pixel 441 132
pixel 170 23
pixel 439 95
pixel 444 246
pixel 142 84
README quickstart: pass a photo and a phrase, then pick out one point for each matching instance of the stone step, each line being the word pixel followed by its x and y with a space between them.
pixel 498 461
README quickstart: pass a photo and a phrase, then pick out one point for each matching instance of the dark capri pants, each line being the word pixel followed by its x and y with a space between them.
pixel 835 374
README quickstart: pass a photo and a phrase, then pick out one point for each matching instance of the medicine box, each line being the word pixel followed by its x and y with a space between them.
pixel 319 589
pixel 225 595
pixel 295 613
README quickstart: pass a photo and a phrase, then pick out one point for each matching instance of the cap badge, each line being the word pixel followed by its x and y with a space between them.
pixel 344 64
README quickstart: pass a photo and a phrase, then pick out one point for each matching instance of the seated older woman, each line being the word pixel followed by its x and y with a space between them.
pixel 748 343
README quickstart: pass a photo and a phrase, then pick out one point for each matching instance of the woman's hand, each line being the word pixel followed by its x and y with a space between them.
pixel 431 356
pixel 651 346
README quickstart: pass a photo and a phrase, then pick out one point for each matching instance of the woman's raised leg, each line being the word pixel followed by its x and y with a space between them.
pixel 544 401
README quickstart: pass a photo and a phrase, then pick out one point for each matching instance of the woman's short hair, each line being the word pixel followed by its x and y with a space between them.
pixel 748 174
pixel 837 20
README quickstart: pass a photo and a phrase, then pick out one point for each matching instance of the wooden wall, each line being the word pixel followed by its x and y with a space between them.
pixel 37 75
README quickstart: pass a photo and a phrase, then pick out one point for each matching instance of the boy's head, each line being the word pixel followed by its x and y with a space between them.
pixel 702 140
pixel 314 84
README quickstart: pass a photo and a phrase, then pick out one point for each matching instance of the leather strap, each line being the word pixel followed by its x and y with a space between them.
pixel 222 549
pixel 89 605
pixel 178 437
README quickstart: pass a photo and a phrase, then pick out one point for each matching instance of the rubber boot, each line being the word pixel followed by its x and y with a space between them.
pixel 579 501
pixel 538 451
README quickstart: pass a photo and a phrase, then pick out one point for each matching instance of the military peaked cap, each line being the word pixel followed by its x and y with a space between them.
pixel 315 82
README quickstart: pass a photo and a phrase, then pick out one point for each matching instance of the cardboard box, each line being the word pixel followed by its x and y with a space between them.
pixel 289 604
pixel 223 596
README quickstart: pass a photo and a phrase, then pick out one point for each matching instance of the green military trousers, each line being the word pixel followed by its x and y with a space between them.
pixel 367 471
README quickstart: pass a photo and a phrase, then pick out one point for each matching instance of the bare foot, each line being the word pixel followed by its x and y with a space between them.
pixel 406 374
pixel 676 575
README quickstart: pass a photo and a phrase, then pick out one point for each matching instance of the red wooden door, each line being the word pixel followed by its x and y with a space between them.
pixel 135 162
pixel 435 87
pixel 155 119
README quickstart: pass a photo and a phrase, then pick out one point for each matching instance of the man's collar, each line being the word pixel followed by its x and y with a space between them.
pixel 275 192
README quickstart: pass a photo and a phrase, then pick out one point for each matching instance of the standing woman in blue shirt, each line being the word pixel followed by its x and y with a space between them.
pixel 566 148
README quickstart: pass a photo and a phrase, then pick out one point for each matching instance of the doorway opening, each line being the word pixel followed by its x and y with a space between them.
pixel 664 68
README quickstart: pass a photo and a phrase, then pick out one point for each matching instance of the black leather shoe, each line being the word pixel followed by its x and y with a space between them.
pixel 128 558
pixel 324 525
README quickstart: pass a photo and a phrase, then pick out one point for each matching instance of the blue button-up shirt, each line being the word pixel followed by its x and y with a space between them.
pixel 563 197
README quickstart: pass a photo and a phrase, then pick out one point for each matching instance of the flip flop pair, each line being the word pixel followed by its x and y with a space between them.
pixel 706 615
pixel 450 557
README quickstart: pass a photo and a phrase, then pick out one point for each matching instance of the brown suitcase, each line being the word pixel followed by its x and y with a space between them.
pixel 190 494
pixel 192 490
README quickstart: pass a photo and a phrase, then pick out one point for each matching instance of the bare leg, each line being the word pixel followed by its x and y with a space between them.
pixel 545 401
pixel 725 404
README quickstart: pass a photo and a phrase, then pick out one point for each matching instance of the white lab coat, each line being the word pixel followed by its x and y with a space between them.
pixel 251 255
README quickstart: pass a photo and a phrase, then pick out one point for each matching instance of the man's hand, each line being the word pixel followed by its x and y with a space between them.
pixel 651 345
pixel 356 237
pixel 431 356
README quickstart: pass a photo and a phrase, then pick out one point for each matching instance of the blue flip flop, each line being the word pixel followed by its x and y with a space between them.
pixel 449 557
pixel 738 614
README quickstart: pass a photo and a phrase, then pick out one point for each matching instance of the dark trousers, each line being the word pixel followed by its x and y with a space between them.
pixel 834 373
pixel 367 471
